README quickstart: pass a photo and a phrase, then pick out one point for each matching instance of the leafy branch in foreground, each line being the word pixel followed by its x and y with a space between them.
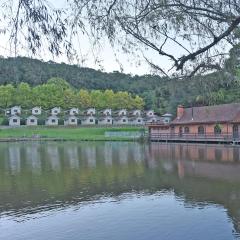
pixel 191 34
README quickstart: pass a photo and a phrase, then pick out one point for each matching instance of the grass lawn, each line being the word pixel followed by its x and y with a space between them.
pixel 67 133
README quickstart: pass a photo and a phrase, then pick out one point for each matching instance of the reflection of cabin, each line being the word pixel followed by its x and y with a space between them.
pixel 31 121
pixel 220 123
pixel 52 121
pixel 36 111
pixel 106 112
pixel 89 120
pixel 106 120
pixel 16 110
pixel 55 110
pixel 121 120
pixel 14 120
pixel 71 121
pixel 73 111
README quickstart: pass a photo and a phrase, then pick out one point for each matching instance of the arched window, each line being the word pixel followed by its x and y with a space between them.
pixel 186 130
pixel 217 129
pixel 200 130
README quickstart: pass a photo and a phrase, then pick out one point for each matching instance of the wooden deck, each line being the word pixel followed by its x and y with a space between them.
pixel 191 138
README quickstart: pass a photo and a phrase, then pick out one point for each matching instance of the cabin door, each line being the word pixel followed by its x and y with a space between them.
pixel 235 131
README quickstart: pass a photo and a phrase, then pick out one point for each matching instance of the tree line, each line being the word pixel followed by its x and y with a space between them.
pixel 57 92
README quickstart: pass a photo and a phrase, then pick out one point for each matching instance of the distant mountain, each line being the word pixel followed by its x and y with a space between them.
pixel 34 72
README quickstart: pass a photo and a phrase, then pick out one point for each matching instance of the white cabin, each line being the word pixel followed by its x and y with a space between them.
pixel 137 121
pixel 32 121
pixel 106 120
pixel 89 120
pixel 52 121
pixel 71 121
pixel 122 112
pixel 150 113
pixel 136 112
pixel 16 110
pixel 106 112
pixel 73 111
pixel 14 121
pixel 36 111
pixel 90 111
pixel 55 110
pixel 121 120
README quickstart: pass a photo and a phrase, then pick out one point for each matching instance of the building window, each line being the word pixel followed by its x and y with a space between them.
pixel 139 120
pixel 186 130
pixel 73 120
pixel 200 130
pixel 91 120
pixel 32 120
pixel 36 111
pixel 15 110
pixel 217 129
pixel 124 120
pixel 55 111
pixel 15 120
pixel 53 120
pixel 108 120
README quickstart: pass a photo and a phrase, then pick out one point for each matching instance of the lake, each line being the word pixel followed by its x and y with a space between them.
pixel 119 190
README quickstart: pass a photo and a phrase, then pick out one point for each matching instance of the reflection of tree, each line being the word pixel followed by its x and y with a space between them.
pixel 75 181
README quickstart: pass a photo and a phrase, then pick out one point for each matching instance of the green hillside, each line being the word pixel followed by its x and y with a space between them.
pixel 160 93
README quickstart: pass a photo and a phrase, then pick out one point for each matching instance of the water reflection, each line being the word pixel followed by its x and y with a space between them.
pixel 39 177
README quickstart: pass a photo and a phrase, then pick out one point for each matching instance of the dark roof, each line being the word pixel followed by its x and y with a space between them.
pixel 209 114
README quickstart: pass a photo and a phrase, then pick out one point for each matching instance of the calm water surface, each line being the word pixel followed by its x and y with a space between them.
pixel 94 191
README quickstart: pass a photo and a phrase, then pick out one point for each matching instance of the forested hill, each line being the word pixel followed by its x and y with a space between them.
pixel 35 72
pixel 161 94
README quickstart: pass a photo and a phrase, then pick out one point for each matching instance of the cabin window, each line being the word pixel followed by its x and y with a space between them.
pixel 74 111
pixel 32 120
pixel 217 129
pixel 200 130
pixel 108 120
pixel 15 120
pixel 73 120
pixel 15 110
pixel 124 120
pixel 36 111
pixel 55 111
pixel 186 130
pixel 53 120
pixel 91 120
pixel 139 120
pixel 166 120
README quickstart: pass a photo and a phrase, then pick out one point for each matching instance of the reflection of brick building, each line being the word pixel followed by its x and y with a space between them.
pixel 217 122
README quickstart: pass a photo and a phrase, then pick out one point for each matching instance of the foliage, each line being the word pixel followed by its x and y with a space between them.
pixel 197 30
pixel 67 86
pixel 57 92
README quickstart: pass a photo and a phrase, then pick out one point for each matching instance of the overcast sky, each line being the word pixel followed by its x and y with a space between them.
pixel 110 58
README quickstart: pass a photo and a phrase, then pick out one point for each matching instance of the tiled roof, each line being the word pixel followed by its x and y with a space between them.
pixel 217 113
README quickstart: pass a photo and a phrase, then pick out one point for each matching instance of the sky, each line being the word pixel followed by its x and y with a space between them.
pixel 110 59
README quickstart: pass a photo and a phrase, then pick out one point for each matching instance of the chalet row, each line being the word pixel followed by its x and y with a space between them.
pixel 87 117
pixel 220 122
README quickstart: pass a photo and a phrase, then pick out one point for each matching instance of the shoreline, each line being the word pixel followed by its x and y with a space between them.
pixel 24 134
